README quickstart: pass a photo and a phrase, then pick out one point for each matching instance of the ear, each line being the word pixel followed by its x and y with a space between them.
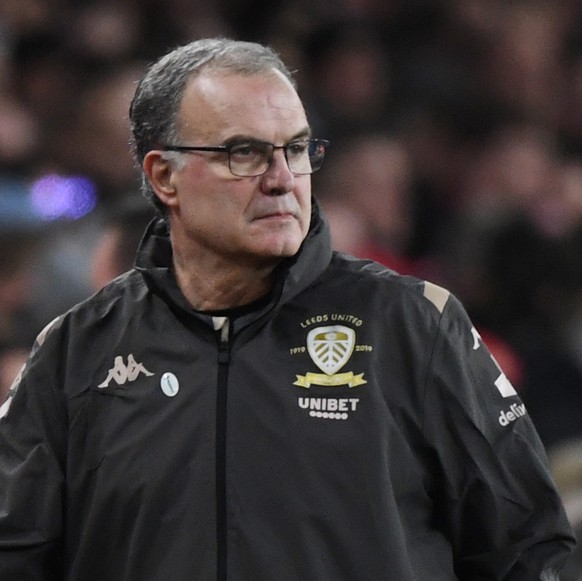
pixel 159 171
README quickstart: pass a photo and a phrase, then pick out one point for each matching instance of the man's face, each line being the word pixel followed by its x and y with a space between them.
pixel 242 219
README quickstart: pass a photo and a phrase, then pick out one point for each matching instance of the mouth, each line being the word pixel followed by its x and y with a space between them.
pixel 276 216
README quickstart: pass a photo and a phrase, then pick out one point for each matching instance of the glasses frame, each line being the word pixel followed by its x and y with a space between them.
pixel 227 149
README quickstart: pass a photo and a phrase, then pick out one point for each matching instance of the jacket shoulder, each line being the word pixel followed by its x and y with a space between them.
pixel 98 310
pixel 376 278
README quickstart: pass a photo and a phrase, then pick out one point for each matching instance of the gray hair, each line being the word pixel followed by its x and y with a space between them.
pixel 155 106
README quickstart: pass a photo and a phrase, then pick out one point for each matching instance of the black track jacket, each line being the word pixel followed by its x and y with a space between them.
pixel 354 428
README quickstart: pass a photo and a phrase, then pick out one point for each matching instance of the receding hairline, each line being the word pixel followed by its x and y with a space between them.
pixel 226 73
pixel 196 88
pixel 219 54
pixel 242 69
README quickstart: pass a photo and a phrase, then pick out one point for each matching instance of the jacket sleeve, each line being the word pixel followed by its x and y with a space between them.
pixel 495 497
pixel 32 460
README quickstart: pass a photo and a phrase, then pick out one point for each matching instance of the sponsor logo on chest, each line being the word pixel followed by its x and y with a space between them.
pixel 330 348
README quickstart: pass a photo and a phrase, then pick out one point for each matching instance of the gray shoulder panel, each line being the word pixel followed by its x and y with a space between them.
pixel 437 295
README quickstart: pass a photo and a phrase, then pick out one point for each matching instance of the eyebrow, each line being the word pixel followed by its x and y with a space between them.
pixel 306 132
pixel 243 138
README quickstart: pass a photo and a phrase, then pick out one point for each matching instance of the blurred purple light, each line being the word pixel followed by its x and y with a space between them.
pixel 55 196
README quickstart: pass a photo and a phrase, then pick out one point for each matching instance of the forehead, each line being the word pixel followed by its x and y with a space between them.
pixel 218 105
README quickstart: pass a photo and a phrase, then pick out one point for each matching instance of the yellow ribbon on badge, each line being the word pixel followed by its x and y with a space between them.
pixel 330 380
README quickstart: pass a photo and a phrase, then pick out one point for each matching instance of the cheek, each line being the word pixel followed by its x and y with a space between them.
pixel 205 196
pixel 304 198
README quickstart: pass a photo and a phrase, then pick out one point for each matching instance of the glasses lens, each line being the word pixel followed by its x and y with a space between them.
pixel 305 157
pixel 249 159
pixel 253 158
pixel 297 154
pixel 317 153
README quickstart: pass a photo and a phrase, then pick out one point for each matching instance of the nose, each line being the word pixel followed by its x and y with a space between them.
pixel 278 179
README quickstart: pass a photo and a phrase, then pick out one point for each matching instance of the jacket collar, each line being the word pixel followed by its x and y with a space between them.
pixel 154 261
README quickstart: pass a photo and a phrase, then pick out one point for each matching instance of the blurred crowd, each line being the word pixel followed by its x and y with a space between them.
pixel 456 155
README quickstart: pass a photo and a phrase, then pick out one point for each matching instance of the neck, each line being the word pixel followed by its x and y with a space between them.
pixel 213 283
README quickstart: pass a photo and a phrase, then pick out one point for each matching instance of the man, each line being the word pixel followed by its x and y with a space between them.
pixel 247 405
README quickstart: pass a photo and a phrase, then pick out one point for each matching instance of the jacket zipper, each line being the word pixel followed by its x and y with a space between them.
pixel 221 324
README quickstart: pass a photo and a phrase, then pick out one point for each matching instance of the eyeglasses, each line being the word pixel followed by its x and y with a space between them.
pixel 253 158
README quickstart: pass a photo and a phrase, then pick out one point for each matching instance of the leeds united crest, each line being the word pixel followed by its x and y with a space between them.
pixel 330 348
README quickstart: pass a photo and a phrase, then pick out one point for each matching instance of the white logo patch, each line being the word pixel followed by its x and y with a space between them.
pixel 169 384
pixel 331 347
pixel 122 373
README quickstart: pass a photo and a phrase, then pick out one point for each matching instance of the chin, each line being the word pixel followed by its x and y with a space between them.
pixel 280 249
pixel 285 252
pixel 281 244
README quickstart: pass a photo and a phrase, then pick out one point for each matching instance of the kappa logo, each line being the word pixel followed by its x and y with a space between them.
pixel 330 348
pixel 122 373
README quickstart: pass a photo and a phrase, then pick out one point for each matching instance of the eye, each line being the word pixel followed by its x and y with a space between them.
pixel 297 148
pixel 248 150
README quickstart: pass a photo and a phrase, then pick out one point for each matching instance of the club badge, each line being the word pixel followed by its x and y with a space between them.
pixel 330 348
